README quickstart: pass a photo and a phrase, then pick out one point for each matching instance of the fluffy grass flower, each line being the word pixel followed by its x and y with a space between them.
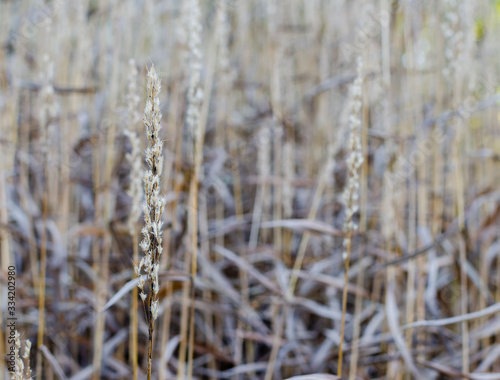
pixel 153 208
pixel 351 192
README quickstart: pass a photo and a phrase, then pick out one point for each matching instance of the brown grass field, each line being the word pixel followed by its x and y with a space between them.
pixel 249 189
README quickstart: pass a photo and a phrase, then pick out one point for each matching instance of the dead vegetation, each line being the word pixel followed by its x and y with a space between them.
pixel 280 171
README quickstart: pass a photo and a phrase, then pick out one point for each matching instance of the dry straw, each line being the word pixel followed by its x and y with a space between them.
pixel 135 191
pixel 351 192
pixel 136 194
pixel 153 208
pixel 194 146
pixel 46 113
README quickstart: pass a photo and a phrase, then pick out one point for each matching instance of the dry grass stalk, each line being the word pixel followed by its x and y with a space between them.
pixel 351 196
pixel 197 177
pixel 153 208
pixel 41 289
pixel 46 113
pixel 171 183
pixel 194 156
pixel 136 194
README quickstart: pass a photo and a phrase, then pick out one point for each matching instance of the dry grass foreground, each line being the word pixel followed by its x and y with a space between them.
pixel 315 184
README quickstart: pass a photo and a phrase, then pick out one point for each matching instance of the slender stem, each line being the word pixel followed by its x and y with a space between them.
pixel 134 321
pixel 344 302
pixel 150 345
pixel 151 327
pixel 41 289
